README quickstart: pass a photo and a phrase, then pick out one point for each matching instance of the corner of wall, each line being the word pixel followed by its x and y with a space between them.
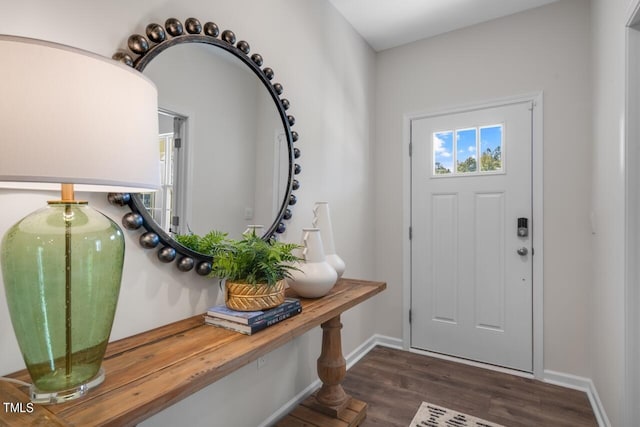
pixel 583 384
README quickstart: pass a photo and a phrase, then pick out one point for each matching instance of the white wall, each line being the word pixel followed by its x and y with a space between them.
pixel 545 49
pixel 608 305
pixel 327 74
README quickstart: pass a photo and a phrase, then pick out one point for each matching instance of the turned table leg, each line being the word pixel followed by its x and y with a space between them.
pixel 332 368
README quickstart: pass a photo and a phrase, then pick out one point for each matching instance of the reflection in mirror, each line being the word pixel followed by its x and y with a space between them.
pixel 223 144
pixel 161 205
pixel 226 140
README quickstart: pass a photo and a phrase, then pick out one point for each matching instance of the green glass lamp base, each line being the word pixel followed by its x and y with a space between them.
pixel 62 267
pixel 52 397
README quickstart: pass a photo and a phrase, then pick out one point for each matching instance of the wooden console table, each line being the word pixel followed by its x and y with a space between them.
pixel 150 371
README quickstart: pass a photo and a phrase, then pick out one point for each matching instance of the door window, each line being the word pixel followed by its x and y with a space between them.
pixel 460 147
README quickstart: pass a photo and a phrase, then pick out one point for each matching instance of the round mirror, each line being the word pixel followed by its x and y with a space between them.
pixel 225 140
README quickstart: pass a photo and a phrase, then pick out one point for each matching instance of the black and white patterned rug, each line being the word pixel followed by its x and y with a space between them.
pixel 430 415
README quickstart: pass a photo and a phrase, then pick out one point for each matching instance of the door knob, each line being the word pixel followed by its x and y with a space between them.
pixel 522 251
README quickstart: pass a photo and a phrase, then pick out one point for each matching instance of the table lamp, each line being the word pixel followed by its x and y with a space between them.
pixel 69 119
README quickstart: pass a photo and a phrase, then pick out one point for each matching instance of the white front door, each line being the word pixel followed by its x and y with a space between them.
pixel 471 266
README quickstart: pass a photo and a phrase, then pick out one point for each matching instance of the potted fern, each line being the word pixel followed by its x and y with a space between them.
pixel 254 269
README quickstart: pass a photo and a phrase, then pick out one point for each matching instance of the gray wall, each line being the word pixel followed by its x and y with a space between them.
pixel 607 320
pixel 545 49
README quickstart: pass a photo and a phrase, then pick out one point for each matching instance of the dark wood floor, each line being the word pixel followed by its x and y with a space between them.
pixel 394 383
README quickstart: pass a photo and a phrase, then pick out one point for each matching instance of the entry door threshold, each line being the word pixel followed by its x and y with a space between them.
pixel 473 363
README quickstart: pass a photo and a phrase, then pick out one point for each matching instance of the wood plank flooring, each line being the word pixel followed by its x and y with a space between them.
pixel 394 383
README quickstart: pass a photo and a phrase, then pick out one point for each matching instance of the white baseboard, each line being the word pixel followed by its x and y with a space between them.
pixel 290 405
pixel 551 377
pixel 351 360
pixel 583 384
pixel 368 345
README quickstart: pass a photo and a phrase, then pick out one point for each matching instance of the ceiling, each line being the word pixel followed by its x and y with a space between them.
pixel 389 23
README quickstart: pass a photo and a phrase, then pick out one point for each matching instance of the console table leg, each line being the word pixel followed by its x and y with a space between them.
pixel 332 368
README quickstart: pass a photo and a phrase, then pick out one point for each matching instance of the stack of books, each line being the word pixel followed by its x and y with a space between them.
pixel 249 322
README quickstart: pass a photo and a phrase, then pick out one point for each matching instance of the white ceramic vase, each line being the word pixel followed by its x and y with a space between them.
pixel 315 276
pixel 251 229
pixel 322 220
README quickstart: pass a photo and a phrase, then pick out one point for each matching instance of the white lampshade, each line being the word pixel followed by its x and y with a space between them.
pixel 71 116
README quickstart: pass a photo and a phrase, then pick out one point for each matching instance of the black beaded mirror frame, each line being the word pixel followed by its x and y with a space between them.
pixel 144 49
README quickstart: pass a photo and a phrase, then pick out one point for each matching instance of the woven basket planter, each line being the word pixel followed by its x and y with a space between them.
pixel 246 297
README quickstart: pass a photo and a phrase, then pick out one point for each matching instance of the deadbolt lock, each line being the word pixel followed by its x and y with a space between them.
pixel 523 227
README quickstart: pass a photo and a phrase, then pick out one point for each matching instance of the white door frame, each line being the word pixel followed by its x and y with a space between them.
pixel 536 226
pixel 632 212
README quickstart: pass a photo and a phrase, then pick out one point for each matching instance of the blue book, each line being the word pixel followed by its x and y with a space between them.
pixel 251 317
pixel 255 327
